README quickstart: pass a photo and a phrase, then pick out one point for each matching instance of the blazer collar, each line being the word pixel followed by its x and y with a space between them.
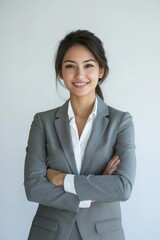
pixel 102 109
pixel 63 131
pixel 64 135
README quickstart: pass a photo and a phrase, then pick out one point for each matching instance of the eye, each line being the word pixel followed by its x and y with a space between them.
pixel 69 66
pixel 89 65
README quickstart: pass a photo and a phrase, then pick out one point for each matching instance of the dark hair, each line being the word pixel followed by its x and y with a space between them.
pixel 90 41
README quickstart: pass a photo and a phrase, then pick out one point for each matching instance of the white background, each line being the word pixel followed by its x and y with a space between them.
pixel 29 34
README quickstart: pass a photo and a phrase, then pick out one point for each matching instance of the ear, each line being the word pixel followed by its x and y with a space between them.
pixel 60 75
pixel 101 73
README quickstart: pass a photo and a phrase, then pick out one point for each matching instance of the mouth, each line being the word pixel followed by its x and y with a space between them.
pixel 80 84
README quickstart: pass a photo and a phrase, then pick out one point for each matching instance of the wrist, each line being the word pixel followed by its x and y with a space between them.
pixel 62 178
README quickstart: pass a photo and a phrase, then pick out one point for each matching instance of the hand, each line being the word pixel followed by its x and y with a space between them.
pixel 112 165
pixel 55 177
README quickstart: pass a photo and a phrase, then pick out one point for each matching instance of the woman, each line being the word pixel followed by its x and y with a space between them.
pixel 80 160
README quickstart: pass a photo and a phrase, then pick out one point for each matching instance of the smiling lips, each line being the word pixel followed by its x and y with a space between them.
pixel 80 84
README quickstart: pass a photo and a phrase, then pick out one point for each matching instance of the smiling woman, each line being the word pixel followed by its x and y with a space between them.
pixel 81 72
pixel 92 46
pixel 80 160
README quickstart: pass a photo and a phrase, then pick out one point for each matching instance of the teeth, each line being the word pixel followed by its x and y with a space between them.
pixel 79 84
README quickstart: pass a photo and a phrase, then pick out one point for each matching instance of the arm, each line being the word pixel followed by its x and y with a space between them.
pixel 116 187
pixel 37 187
pixel 57 177
pixel 112 166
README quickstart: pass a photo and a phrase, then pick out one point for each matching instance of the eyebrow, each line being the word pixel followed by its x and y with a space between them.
pixel 88 60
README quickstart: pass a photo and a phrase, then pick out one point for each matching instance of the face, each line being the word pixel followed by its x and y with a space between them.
pixel 80 71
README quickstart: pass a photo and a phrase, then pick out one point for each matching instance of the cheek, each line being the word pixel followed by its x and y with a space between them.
pixel 67 73
pixel 94 75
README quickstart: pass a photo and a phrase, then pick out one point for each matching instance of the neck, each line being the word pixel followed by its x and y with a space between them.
pixel 82 106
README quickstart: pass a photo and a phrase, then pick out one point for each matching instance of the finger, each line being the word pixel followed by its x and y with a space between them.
pixel 112 170
pixel 109 171
pixel 112 166
pixel 113 161
pixel 116 157
pixel 115 164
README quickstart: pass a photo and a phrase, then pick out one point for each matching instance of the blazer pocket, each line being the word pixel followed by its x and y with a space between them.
pixel 108 225
pixel 43 229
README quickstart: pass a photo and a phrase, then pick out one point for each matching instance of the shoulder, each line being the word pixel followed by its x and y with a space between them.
pixel 109 111
pixel 55 112
pixel 51 115
pixel 119 117
pixel 113 112
pixel 44 118
pixel 48 113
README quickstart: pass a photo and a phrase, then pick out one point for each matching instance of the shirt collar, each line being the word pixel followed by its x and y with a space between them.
pixel 91 116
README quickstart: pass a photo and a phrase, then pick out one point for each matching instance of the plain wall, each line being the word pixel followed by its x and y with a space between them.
pixel 29 34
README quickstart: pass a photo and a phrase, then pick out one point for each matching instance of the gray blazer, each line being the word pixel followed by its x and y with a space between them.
pixel 50 146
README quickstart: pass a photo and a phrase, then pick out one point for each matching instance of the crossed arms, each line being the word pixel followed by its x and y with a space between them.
pixel 57 177
pixel 45 186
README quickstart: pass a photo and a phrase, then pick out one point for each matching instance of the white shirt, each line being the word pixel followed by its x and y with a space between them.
pixel 79 146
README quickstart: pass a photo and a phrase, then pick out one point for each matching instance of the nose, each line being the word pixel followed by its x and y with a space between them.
pixel 79 72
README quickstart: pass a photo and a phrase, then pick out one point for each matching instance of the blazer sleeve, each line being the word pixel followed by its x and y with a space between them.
pixel 118 186
pixel 38 188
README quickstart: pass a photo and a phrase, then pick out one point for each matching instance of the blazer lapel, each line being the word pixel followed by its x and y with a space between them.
pixel 63 131
pixel 98 130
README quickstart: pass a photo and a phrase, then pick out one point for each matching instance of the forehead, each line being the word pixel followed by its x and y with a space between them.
pixel 78 52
